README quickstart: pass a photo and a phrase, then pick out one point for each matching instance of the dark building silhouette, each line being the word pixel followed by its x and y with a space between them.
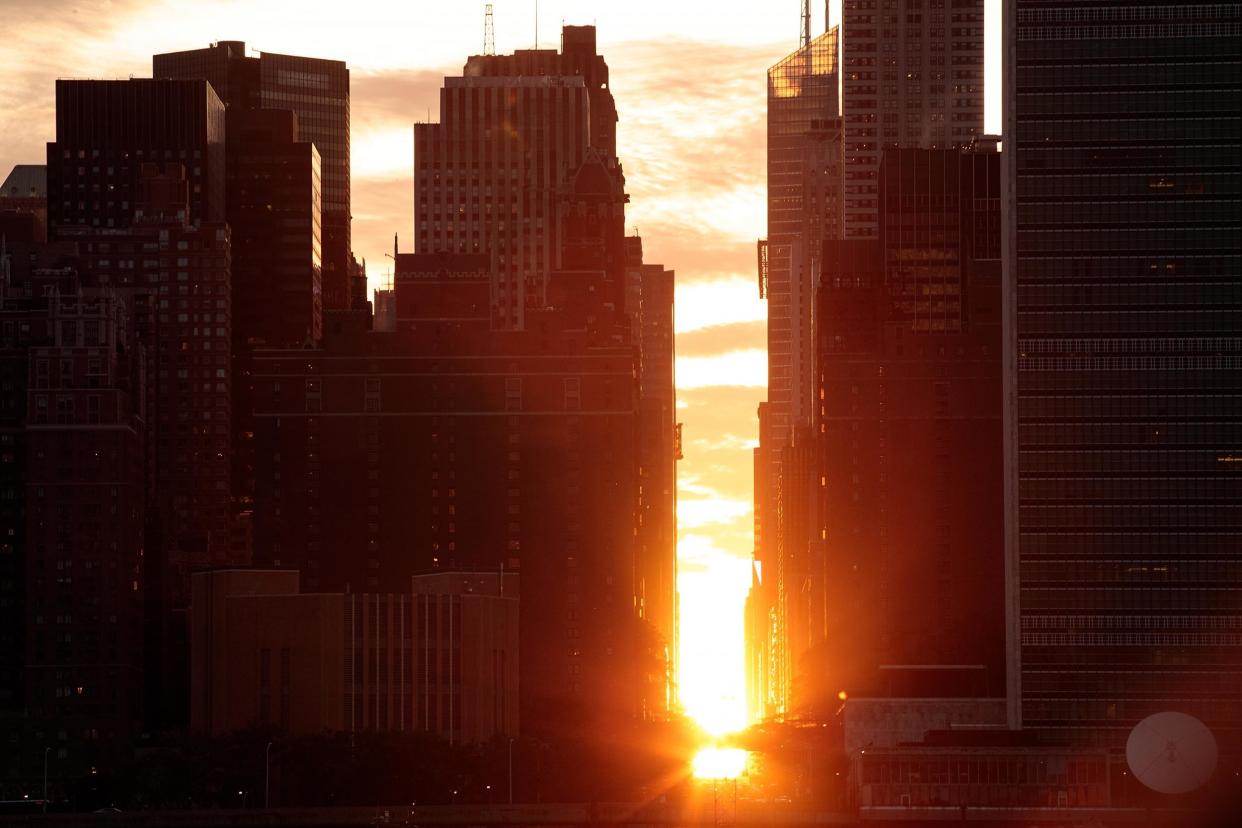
pixel 107 129
pixel 910 502
pixel 439 656
pixel 886 77
pixel 649 303
pixel 27 268
pixel 173 273
pixel 274 210
pixel 317 91
pixel 72 439
pixel 803 140
pixel 910 77
pixel 447 445
pixel 23 200
pixel 1123 269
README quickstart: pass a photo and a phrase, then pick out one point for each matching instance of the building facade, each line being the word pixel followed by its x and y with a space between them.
pixel 1123 268
pixel 317 91
pixel 106 130
pixel 440 656
pixel 77 448
pixel 912 75
pixel 490 178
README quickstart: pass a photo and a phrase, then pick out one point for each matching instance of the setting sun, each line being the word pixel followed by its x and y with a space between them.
pixel 720 763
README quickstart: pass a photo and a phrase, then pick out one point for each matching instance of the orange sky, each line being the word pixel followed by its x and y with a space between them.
pixel 689 80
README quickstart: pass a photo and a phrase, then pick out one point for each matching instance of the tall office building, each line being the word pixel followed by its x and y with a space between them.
pixel 106 130
pixel 803 145
pixel 317 91
pixel 802 106
pixel 73 475
pixel 912 75
pixel 275 216
pixel 649 303
pixel 490 176
pixel 1123 270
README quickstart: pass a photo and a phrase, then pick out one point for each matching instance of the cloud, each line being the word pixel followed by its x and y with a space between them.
pixel 746 368
pixel 720 338
pixel 695 513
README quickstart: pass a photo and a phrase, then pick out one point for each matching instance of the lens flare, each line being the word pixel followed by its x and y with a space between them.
pixel 719 763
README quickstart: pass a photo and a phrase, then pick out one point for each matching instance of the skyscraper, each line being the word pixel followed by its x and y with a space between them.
pixel 1123 270
pixel 317 91
pixel 75 439
pixel 912 75
pixel 802 148
pixel 489 177
pixel 106 130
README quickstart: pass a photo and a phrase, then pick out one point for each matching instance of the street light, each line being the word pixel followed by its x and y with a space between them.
pixel 267 775
pixel 46 752
pixel 510 770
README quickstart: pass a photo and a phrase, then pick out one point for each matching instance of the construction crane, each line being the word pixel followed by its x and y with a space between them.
pixel 489 34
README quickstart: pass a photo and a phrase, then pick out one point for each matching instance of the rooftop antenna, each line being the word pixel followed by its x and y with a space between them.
pixel 536 24
pixel 806 23
pixel 489 34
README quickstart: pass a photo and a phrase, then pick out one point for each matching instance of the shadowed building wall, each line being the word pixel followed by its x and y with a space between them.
pixel 1124 279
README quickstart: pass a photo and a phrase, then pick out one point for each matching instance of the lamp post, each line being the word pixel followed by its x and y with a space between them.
pixel 267 776
pixel 46 752
pixel 510 770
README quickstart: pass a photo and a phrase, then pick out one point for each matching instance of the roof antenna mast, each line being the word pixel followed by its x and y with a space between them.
pixel 489 34
pixel 806 23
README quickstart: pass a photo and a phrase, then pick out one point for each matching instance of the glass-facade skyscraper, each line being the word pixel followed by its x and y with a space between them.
pixel 1123 280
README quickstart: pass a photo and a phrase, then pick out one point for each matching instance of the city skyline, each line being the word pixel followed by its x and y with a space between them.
pixel 815 435
pixel 696 217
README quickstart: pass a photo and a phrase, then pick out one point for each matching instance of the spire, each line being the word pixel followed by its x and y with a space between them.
pixel 489 34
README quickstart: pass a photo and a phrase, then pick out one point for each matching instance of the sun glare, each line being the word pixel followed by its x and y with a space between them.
pixel 719 763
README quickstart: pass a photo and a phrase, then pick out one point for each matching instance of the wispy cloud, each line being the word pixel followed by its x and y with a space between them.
pixel 748 368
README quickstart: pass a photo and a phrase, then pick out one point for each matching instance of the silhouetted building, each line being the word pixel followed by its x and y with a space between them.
pixel 803 141
pixel 489 178
pixel 317 91
pixel 911 76
pixel 940 231
pixel 910 500
pixel 23 196
pixel 1123 271
pixel 466 655
pixel 30 274
pixel 650 289
pixel 107 129
pixel 447 445
pixel 172 272
pixel 275 217
pixel 440 656
pixel 72 441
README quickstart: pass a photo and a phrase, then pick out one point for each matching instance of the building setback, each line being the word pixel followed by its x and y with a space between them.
pixel 1123 271
pixel 317 91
